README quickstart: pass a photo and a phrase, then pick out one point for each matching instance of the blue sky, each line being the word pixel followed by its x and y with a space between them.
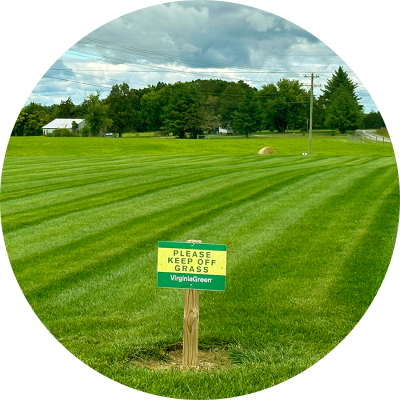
pixel 183 41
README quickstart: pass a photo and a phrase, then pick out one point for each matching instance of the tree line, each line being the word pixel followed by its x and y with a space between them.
pixel 187 109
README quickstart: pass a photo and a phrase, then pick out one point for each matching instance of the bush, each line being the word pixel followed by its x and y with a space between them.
pixel 63 132
pixel 85 131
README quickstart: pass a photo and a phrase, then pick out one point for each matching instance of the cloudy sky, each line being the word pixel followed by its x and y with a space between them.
pixel 184 41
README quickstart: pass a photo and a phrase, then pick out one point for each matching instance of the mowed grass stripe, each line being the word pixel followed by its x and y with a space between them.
pixel 55 181
pixel 298 251
pixel 69 180
pixel 81 223
pixel 42 146
pixel 111 250
pixel 296 284
pixel 286 354
pixel 57 203
pixel 83 277
pixel 289 249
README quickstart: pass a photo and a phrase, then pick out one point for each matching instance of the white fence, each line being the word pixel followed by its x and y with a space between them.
pixel 367 136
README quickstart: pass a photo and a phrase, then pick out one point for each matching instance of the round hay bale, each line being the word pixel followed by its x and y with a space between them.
pixel 267 150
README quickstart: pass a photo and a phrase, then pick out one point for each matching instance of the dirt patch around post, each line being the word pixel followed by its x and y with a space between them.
pixel 208 360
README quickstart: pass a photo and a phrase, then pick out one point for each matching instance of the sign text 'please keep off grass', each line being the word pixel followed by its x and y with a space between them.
pixel 186 265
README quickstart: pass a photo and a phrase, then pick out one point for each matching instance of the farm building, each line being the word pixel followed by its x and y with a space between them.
pixel 228 131
pixel 62 123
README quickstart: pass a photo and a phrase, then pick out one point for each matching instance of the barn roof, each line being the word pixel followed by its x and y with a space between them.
pixel 62 123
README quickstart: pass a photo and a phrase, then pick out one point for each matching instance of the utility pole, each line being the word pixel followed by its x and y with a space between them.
pixel 312 76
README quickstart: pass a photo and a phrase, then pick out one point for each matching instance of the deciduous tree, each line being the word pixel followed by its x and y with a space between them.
pixel 35 123
pixel 284 104
pixel 19 125
pixel 123 108
pixel 211 120
pixel 373 120
pixel 96 116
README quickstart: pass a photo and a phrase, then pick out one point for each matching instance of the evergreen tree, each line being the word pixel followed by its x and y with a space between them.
pixel 340 79
pixel 247 118
pixel 339 83
pixel 343 112
pixel 231 99
pixel 183 113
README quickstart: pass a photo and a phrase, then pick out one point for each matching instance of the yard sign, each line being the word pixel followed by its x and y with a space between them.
pixel 186 265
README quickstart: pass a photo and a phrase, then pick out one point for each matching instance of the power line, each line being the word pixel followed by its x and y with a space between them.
pixel 69 80
pixel 158 54
pixel 208 74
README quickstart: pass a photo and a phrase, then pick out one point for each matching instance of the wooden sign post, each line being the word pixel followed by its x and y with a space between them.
pixel 191 328
pixel 192 266
pixel 191 316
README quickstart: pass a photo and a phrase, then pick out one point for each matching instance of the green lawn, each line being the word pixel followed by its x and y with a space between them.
pixel 309 240
pixel 283 145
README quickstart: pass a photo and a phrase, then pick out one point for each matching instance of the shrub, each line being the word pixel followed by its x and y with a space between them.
pixel 85 131
pixel 63 132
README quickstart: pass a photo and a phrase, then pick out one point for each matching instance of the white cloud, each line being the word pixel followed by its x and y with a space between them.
pixel 289 26
pixel 261 22
pixel 188 34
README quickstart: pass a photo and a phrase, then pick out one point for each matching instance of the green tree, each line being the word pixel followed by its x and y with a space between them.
pixel 340 81
pixel 19 125
pixel 211 87
pixel 247 118
pixel 35 122
pixel 373 120
pixel 96 116
pixel 343 112
pixel 182 115
pixel 284 104
pixel 123 108
pixel 152 105
pixel 319 114
pixel 66 109
pixel 264 99
pixel 232 98
pixel 211 120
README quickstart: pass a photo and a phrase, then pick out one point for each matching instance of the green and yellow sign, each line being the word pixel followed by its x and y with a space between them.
pixel 186 265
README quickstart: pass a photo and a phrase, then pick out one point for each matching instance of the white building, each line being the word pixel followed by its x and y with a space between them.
pixel 62 123
pixel 228 131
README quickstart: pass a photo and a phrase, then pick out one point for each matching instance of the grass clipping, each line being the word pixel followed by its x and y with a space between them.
pixel 267 150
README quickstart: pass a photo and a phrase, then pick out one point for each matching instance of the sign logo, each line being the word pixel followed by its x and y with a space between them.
pixel 186 265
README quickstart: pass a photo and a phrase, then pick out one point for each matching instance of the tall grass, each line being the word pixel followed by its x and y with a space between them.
pixel 309 240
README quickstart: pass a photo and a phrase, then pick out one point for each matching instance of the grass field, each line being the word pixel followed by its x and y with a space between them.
pixel 309 241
